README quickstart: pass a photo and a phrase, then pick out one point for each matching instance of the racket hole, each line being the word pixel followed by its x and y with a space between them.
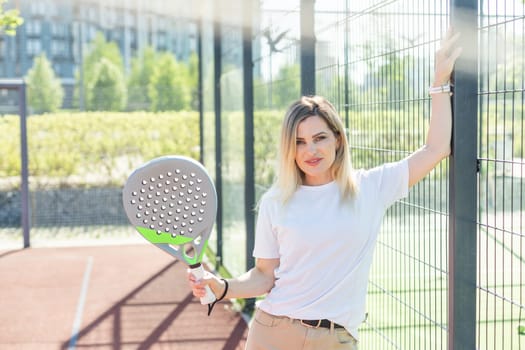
pixel 199 181
pixel 184 177
pixel 169 174
pixel 190 230
pixel 204 194
pixel 148 205
pixel 192 174
pixel 142 190
pixel 138 216
pixel 145 221
pixel 196 197
pixel 191 183
pixel 151 188
pixel 141 199
pixel 177 171
pixel 155 210
pixel 134 193
pixel 178 211
pixel 144 182
pixel 133 201
pixel 161 176
pixel 197 188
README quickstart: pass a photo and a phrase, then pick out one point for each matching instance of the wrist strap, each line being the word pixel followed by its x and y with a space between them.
pixel 446 88
pixel 210 306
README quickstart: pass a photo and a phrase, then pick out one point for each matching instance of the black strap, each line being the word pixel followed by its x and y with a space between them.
pixel 210 306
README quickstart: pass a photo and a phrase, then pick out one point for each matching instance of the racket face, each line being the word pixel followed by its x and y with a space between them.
pixel 172 202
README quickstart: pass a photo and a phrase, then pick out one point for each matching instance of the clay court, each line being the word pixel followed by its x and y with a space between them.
pixel 107 297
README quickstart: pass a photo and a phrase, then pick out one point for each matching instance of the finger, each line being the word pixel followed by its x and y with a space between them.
pixel 449 43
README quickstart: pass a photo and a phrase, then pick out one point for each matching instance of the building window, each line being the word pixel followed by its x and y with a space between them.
pixel 59 29
pixel 34 47
pixel 38 8
pixel 59 48
pixel 33 27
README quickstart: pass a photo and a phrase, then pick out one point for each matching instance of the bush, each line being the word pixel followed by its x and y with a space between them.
pixel 94 148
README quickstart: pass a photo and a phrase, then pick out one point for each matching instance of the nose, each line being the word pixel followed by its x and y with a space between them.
pixel 312 148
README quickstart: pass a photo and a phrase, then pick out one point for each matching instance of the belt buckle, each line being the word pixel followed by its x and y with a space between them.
pixel 310 326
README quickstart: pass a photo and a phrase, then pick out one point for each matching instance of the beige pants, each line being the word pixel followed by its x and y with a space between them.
pixel 268 332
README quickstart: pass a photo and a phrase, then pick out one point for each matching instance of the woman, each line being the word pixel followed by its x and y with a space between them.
pixel 317 226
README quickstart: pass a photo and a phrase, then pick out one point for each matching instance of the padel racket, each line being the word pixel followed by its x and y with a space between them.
pixel 172 202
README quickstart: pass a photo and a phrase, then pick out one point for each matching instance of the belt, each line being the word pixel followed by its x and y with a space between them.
pixel 319 323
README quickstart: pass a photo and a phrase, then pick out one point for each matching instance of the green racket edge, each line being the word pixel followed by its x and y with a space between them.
pixel 153 237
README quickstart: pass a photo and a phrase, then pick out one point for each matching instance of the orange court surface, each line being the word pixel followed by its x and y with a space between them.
pixel 107 297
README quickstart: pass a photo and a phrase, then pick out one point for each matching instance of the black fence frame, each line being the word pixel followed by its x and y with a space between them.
pixel 19 86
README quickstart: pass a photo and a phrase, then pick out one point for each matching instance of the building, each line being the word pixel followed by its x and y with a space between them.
pixel 63 28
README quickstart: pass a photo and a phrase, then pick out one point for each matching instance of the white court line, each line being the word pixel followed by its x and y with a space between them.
pixel 80 306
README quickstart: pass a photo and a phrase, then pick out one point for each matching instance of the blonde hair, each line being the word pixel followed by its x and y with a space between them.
pixel 289 176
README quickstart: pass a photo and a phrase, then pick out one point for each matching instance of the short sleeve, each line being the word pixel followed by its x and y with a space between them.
pixel 391 181
pixel 266 244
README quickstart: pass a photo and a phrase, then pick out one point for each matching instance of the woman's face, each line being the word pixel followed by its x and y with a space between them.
pixel 315 150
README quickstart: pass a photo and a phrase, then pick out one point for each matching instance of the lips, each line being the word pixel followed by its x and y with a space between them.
pixel 313 161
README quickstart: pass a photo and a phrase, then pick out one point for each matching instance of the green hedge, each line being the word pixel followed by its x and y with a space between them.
pixel 101 144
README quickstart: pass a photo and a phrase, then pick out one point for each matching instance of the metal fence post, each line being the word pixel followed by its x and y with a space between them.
pixel 463 183
pixel 307 47
pixel 217 54
pixel 249 176
pixel 24 166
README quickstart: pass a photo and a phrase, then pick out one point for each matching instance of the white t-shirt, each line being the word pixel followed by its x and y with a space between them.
pixel 325 246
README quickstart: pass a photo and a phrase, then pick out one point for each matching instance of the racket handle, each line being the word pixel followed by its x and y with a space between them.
pixel 198 272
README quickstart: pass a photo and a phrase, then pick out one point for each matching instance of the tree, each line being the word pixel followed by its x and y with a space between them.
pixel 9 20
pixel 193 80
pixel 286 87
pixel 169 88
pixel 45 91
pixel 107 87
pixel 99 48
pixel 142 68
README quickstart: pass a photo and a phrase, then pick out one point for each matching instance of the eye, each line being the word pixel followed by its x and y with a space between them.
pixel 320 138
pixel 299 142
